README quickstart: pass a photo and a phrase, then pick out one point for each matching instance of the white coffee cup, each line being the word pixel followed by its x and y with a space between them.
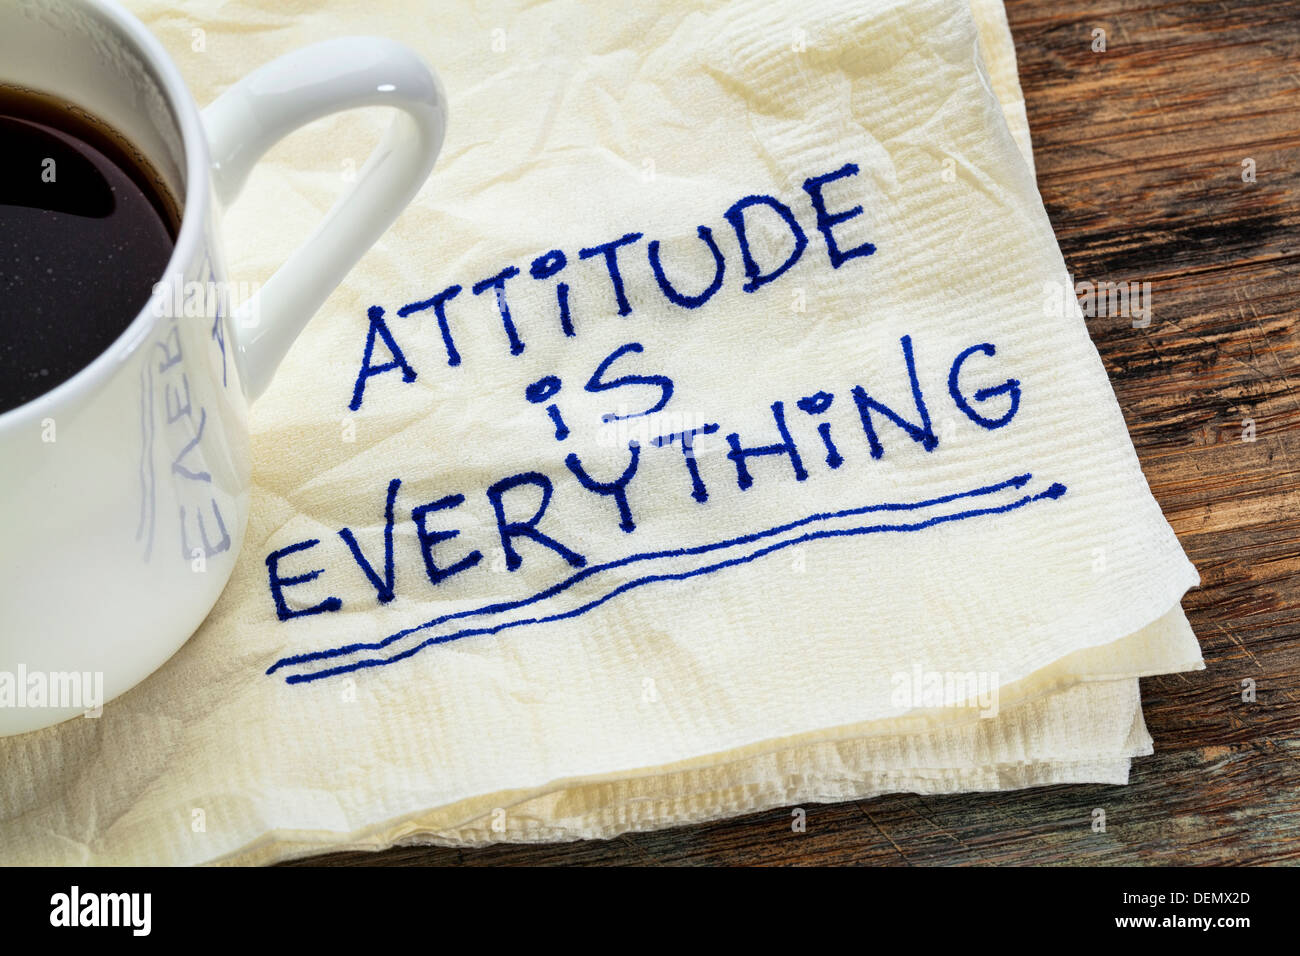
pixel 124 491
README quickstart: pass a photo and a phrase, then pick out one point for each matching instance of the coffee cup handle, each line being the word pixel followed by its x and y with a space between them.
pixel 285 94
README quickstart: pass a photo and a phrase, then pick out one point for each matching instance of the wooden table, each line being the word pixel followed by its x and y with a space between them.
pixel 1140 154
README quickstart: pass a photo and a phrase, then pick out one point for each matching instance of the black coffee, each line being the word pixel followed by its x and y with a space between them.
pixel 86 229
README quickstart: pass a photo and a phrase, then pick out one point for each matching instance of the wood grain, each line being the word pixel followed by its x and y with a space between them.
pixel 1139 152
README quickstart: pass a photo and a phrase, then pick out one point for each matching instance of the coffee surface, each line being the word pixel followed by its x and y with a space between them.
pixel 86 230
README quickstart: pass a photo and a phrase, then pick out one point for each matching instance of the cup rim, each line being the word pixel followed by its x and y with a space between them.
pixel 193 216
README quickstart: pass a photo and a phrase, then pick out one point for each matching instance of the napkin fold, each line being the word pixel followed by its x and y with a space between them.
pixel 908 547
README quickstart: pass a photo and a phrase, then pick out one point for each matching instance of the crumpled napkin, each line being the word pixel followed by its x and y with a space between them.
pixel 745 468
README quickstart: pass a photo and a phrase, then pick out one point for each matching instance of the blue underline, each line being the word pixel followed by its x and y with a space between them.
pixel 1054 491
pixel 1019 481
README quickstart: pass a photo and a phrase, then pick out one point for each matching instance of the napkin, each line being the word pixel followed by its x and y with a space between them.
pixel 749 463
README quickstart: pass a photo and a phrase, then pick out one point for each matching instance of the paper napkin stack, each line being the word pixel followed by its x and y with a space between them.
pixel 746 467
